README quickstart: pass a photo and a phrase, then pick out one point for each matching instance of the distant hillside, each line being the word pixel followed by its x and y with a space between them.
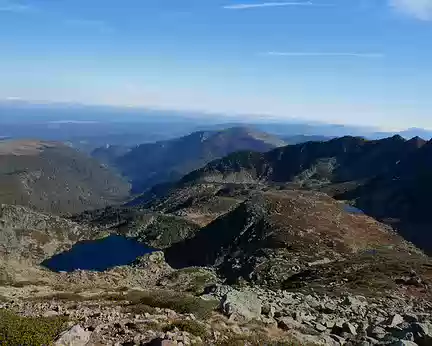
pixel 110 153
pixel 53 177
pixel 298 139
pixel 150 164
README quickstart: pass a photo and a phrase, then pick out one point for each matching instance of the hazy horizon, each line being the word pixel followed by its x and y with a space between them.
pixel 59 113
pixel 362 62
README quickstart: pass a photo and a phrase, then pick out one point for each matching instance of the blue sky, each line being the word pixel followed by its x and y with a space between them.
pixel 366 62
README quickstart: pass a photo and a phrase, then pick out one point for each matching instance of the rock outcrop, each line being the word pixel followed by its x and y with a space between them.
pixel 31 236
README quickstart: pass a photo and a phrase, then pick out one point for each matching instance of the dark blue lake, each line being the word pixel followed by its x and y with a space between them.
pixel 352 210
pixel 98 255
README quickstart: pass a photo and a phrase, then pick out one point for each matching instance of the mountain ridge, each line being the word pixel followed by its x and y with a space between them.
pixel 363 172
pixel 276 234
pixel 336 160
pixel 152 163
pixel 52 177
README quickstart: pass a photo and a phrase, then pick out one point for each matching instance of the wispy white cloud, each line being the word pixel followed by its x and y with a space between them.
pixel 327 54
pixel 272 4
pixel 15 7
pixel 420 9
pixel 88 24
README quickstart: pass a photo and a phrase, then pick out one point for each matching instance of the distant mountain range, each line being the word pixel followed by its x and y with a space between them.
pixel 89 127
pixel 149 164
pixel 407 134
pixel 52 177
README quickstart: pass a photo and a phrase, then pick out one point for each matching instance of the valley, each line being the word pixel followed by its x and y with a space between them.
pixel 248 242
pixel 215 173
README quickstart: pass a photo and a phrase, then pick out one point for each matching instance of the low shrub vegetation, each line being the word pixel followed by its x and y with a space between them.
pixel 139 309
pixel 62 296
pixel 193 280
pixel 190 326
pixel 29 331
pixel 180 302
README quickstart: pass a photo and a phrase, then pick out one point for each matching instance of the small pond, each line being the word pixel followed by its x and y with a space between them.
pixel 98 255
pixel 352 210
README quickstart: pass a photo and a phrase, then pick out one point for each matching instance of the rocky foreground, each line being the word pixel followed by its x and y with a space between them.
pixel 150 303
pixel 267 267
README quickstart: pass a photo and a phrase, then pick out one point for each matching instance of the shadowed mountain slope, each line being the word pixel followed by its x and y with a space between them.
pixel 338 160
pixel 402 197
pixel 153 163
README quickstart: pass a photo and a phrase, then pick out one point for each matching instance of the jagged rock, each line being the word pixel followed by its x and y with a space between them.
pixel 324 340
pixel 373 341
pixel 338 339
pixel 329 324
pixel 349 328
pixel 161 342
pixel 219 291
pixel 329 307
pixel 75 336
pixel 269 322
pixel 404 343
pixel 288 323
pixel 394 320
pixel 355 301
pixel 320 327
pixel 377 332
pixel 362 343
pixel 423 328
pixel 268 310
pixel 411 318
pixel 312 301
pixel 241 305
pixel 302 316
pixel 157 257
pixel 422 333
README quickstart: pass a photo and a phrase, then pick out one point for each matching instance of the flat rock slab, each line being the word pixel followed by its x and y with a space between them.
pixel 241 305
pixel 75 336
